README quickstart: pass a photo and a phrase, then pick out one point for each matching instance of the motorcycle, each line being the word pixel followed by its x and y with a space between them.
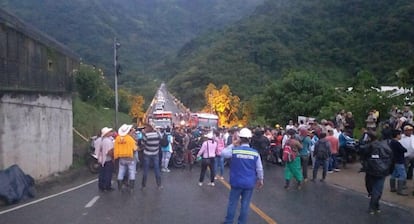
pixel 274 155
pixel 92 158
pixel 177 158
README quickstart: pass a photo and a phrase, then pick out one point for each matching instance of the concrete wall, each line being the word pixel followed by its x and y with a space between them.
pixel 36 133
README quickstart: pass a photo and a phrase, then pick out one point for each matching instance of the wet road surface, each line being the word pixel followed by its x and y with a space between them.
pixel 183 201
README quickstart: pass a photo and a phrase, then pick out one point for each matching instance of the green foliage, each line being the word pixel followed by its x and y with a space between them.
pixel 89 120
pixel 361 102
pixel 149 31
pixel 87 84
pixel 335 43
pixel 364 80
pixel 91 86
pixel 297 93
pixel 338 39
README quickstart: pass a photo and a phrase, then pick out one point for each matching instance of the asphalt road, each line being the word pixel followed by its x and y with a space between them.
pixel 183 201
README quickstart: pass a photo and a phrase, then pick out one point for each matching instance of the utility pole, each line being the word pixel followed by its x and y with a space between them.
pixel 116 46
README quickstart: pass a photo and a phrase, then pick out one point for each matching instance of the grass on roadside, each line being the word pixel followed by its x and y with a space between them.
pixel 88 120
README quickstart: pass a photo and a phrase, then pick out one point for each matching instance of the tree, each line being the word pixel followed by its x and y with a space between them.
pixel 365 80
pixel 297 93
pixel 124 102
pixel 136 111
pixel 223 103
pixel 88 79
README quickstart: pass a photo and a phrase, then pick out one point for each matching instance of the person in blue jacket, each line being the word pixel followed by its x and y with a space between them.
pixel 246 172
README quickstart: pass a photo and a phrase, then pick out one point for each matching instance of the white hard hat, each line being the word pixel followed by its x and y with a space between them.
pixel 245 133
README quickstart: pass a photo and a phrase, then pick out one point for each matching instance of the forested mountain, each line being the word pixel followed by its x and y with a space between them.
pixel 334 38
pixel 246 44
pixel 148 30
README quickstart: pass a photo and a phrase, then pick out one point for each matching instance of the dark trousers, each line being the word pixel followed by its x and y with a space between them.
pixel 320 162
pixel 409 167
pixel 375 186
pixel 304 162
pixel 207 162
pixel 105 176
pixel 344 156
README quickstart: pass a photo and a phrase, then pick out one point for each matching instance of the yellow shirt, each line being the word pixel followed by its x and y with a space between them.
pixel 124 147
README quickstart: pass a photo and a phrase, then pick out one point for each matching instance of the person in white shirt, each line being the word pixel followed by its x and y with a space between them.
pixel 407 141
pixel 290 125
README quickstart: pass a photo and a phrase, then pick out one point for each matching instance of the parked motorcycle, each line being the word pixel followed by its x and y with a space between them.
pixel 92 158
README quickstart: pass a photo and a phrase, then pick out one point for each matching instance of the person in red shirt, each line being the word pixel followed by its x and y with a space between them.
pixel 334 151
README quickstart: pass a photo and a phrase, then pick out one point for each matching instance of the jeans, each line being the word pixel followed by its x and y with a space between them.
pixel 375 186
pixel 127 164
pixel 320 162
pixel 333 162
pixel 166 156
pixel 155 161
pixel 235 194
pixel 399 172
pixel 105 175
pixel 219 165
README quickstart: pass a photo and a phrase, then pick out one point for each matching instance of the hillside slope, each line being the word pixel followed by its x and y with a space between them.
pixel 335 38
pixel 147 30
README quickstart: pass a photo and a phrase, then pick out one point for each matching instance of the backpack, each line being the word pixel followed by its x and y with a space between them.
pixel 288 154
pixel 379 159
pixel 164 140
pixel 322 148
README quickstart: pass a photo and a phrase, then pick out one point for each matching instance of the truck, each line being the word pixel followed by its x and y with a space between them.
pixel 161 119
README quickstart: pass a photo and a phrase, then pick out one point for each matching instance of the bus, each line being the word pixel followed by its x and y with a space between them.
pixel 203 120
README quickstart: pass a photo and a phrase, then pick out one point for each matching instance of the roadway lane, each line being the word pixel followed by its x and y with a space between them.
pixel 183 201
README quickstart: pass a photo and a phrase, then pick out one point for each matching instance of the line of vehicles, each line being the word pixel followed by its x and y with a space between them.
pixel 163 114
pixel 160 115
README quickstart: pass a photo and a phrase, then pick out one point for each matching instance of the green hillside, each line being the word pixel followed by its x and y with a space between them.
pixel 333 38
pixel 89 120
pixel 246 44
pixel 148 31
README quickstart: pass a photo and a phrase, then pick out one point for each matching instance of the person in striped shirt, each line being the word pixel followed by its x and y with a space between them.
pixel 151 144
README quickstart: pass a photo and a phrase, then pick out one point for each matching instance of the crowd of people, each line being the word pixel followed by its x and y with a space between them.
pixel 326 144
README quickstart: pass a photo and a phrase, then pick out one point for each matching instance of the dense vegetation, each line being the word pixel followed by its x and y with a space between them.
pixel 285 58
pixel 148 30
pixel 334 39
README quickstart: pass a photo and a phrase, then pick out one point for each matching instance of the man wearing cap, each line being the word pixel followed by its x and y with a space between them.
pixel 246 171
pixel 104 150
pixel 124 148
pixel 407 141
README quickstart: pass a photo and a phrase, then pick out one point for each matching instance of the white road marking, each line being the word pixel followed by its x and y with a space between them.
pixel 48 197
pixel 90 203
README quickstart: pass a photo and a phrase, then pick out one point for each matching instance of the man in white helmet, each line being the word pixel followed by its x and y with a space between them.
pixel 246 171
